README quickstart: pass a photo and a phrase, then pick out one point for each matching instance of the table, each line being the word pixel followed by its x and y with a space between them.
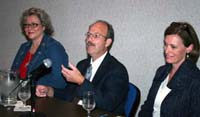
pixel 51 107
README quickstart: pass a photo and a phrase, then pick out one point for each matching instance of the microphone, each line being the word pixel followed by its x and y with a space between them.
pixel 38 72
pixel 43 69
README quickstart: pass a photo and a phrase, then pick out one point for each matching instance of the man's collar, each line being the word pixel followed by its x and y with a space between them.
pixel 98 60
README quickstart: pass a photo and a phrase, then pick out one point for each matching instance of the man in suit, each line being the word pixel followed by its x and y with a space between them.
pixel 109 78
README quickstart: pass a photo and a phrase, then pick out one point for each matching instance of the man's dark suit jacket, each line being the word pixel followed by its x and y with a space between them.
pixel 110 85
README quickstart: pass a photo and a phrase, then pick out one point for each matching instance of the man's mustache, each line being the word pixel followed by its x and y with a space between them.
pixel 90 43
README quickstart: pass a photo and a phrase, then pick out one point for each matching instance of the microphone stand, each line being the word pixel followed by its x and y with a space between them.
pixel 32 83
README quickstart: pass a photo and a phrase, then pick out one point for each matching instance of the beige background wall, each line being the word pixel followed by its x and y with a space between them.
pixel 138 24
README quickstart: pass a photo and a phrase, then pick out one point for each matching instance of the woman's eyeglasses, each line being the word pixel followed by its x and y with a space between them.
pixel 32 25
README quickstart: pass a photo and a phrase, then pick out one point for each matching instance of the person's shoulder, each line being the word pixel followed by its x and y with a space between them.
pixel 25 44
pixel 115 60
pixel 115 63
pixel 49 41
pixel 194 72
pixel 83 64
pixel 164 67
pixel 190 69
pixel 84 61
pixel 162 70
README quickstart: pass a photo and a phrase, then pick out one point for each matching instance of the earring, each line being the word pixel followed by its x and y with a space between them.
pixel 187 55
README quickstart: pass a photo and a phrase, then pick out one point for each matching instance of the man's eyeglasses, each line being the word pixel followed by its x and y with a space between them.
pixel 32 25
pixel 96 35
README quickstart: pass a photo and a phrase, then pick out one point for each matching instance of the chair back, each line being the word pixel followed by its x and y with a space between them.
pixel 132 100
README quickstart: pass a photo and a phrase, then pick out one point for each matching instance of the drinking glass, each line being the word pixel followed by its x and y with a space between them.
pixel 24 92
pixel 88 102
pixel 9 79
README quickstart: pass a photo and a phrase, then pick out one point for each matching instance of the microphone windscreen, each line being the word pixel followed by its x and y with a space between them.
pixel 47 62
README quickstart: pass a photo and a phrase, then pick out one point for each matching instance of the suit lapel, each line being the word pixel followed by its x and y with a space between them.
pixel 83 67
pixel 38 56
pixel 101 71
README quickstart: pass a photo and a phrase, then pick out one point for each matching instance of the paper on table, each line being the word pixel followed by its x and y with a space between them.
pixel 20 107
pixel 80 102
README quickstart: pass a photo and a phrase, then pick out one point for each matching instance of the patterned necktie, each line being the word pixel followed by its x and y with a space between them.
pixel 88 73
